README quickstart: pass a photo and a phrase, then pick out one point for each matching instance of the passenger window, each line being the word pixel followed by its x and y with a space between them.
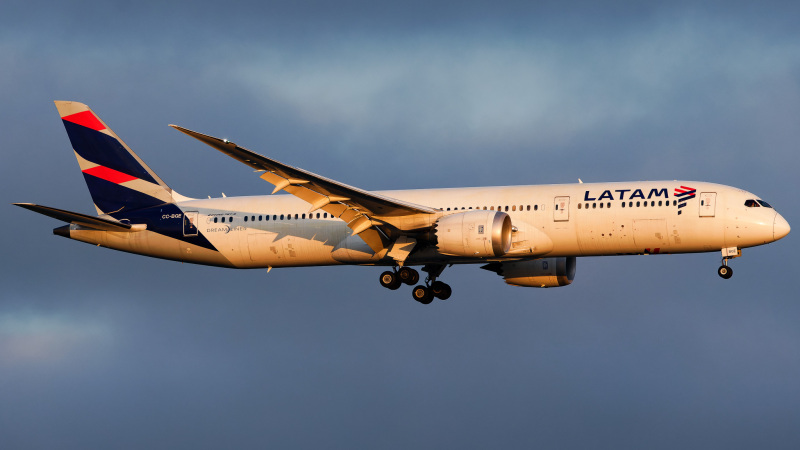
pixel 215 220
pixel 535 207
pixel 506 207
pixel 230 219
pixel 623 204
pixel 281 216
pixel 653 203
pixel 601 205
pixel 491 208
pixel 529 207
pixel 637 204
pixel 304 216
pixel 579 206
pixel 594 205
pixel 608 205
pixel 514 208
pixel 448 209
pixel 245 218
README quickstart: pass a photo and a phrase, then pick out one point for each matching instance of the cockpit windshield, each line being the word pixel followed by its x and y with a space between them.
pixel 756 204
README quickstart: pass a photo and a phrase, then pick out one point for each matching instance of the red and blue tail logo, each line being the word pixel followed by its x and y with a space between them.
pixel 117 179
pixel 683 194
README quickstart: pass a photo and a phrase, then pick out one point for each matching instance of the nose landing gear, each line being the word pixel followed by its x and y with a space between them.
pixel 728 253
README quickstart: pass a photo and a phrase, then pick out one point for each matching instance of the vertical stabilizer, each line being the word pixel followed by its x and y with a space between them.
pixel 117 179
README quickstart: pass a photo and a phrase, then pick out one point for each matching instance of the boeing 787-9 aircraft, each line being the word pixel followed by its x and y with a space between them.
pixel 529 235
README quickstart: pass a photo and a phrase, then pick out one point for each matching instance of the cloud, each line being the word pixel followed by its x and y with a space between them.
pixel 509 92
pixel 39 338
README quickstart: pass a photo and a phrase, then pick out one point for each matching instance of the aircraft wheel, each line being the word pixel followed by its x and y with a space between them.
pixel 725 272
pixel 390 280
pixel 408 275
pixel 422 294
pixel 441 290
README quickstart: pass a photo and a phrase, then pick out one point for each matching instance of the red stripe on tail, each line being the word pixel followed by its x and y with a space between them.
pixel 109 174
pixel 86 119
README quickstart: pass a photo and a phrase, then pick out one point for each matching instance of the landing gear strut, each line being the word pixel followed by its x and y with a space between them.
pixel 728 253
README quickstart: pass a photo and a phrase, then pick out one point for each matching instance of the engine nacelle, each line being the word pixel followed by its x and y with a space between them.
pixel 546 272
pixel 479 234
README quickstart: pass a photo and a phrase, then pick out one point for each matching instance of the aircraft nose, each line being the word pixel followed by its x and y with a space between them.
pixel 780 227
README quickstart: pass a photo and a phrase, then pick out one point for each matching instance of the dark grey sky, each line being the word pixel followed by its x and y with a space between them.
pixel 100 349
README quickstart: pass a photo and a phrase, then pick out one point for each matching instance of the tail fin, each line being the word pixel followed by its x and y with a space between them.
pixel 117 179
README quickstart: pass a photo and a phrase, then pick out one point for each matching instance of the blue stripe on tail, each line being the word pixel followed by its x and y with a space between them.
pixel 103 149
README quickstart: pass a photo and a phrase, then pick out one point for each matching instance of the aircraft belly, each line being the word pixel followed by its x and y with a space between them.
pixel 151 244
pixel 285 245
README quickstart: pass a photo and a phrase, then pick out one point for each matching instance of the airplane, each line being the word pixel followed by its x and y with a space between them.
pixel 528 235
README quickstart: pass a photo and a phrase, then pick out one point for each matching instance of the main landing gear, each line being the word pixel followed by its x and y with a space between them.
pixel 728 253
pixel 424 293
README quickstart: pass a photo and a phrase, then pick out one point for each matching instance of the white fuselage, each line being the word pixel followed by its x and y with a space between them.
pixel 549 220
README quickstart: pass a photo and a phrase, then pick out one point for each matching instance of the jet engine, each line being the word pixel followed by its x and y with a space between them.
pixel 545 272
pixel 478 234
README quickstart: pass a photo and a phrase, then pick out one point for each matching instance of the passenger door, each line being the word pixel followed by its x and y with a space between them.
pixel 561 209
pixel 190 223
pixel 708 202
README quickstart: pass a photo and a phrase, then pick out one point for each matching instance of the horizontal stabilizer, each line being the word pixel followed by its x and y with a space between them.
pixel 83 220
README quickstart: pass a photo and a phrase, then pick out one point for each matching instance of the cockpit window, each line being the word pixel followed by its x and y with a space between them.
pixel 763 203
pixel 751 204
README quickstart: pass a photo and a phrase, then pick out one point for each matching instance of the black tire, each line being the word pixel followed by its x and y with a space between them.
pixel 408 275
pixel 390 280
pixel 725 272
pixel 422 294
pixel 441 290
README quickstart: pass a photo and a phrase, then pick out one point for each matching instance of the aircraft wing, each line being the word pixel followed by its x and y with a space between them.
pixel 357 207
pixel 83 220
